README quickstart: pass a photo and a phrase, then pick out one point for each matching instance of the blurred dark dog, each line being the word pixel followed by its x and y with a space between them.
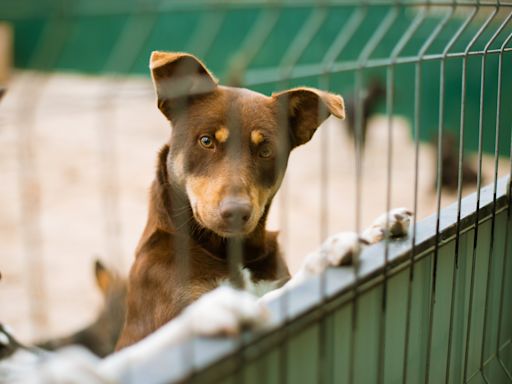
pixel 450 164
pixel 370 99
pixel 101 336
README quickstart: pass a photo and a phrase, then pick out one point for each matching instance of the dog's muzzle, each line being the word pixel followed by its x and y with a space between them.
pixel 235 213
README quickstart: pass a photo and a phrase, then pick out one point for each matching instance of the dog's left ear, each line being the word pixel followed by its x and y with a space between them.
pixel 306 109
pixel 104 277
pixel 178 78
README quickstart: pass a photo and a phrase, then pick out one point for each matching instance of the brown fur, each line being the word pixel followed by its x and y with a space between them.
pixel 183 252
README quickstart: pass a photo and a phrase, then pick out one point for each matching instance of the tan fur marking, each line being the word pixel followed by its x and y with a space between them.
pixel 178 168
pixel 257 137
pixel 294 102
pixel 222 135
pixel 206 193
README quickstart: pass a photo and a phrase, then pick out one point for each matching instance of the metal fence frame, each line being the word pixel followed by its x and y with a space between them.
pixel 321 297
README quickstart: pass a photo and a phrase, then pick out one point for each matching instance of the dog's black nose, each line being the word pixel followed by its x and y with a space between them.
pixel 235 211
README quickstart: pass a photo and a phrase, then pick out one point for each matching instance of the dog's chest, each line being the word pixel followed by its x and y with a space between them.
pixel 258 288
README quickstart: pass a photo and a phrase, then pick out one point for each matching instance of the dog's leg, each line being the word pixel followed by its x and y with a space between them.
pixel 345 247
pixel 224 311
pixel 341 249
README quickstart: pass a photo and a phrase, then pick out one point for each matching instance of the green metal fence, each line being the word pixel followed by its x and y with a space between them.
pixel 262 43
pixel 446 316
pixel 432 308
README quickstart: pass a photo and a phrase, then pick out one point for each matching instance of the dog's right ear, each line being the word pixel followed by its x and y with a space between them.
pixel 177 78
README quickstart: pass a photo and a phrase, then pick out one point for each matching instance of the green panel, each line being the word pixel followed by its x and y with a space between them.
pixel 476 379
pixel 417 355
pixel 265 369
pixel 506 320
pixel 302 361
pixel 396 320
pixel 171 32
pixel 228 380
pixel 89 38
pixel 90 43
pixel 441 314
pixel 235 28
pixel 494 293
pixel 494 372
pixel 369 313
pixel 288 26
pixel 27 37
pixel 478 303
pixel 332 25
pixel 340 345
pixel 461 306
pixel 506 356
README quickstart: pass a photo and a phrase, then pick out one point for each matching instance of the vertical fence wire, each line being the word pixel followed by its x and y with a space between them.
pixel 495 185
pixel 418 73
pixel 119 64
pixel 45 56
pixel 390 95
pixel 252 44
pixel 439 175
pixel 341 40
pixel 468 20
pixel 290 58
pixel 284 300
pixel 363 58
pixel 201 42
pixel 479 185
pixel 507 227
pixel 416 137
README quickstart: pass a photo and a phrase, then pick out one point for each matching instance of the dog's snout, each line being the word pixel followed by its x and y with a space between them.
pixel 235 211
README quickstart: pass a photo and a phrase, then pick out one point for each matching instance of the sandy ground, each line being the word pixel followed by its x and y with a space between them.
pixel 82 151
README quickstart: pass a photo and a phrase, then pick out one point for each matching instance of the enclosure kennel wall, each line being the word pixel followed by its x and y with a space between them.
pixel 431 308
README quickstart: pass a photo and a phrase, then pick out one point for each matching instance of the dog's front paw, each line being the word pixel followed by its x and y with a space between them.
pixel 338 250
pixel 394 223
pixel 225 311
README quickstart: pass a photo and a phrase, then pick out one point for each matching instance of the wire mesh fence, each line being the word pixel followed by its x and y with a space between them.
pixel 427 124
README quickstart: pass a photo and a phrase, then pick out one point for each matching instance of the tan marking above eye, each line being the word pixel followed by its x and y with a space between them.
pixel 221 135
pixel 257 137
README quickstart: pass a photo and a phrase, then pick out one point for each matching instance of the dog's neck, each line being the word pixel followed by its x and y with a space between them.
pixel 172 213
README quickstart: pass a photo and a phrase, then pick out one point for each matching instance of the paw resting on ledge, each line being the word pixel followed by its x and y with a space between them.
pixel 394 223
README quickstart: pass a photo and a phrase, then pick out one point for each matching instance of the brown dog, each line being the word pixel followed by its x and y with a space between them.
pixel 215 181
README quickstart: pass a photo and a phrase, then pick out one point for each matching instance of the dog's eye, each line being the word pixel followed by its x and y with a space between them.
pixel 265 151
pixel 206 141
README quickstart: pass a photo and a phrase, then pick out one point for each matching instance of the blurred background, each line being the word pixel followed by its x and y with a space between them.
pixel 79 127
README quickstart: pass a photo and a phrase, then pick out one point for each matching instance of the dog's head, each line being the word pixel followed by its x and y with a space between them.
pixel 229 146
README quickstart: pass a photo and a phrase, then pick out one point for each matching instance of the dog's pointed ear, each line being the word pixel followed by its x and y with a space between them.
pixel 104 277
pixel 306 109
pixel 177 77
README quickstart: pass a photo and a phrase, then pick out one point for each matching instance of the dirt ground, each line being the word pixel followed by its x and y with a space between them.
pixel 82 151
